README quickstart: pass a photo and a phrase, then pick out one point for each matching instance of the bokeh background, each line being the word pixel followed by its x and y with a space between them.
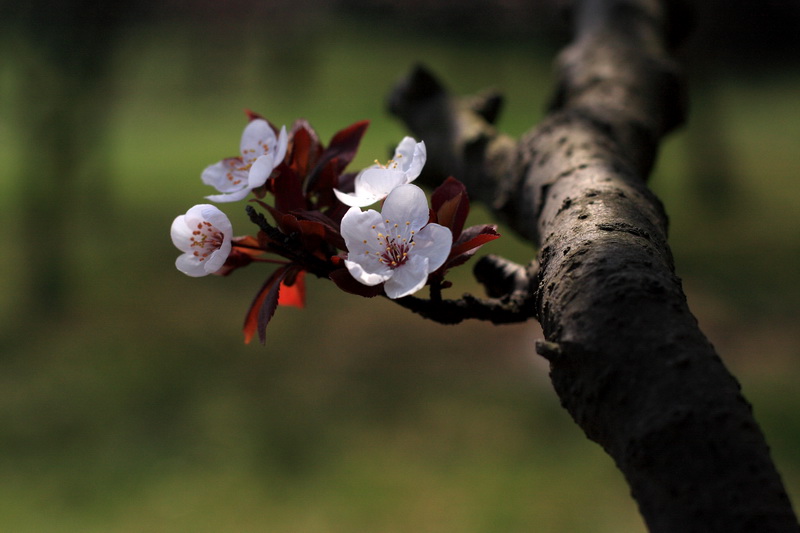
pixel 128 401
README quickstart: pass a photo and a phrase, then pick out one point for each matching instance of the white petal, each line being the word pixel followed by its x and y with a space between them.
pixel 356 201
pixel 191 266
pixel 212 214
pixel 404 151
pixel 257 139
pixel 407 203
pixel 378 181
pixel 280 150
pixel 411 156
pixel 417 162
pixel 372 277
pixel 229 197
pixel 357 227
pixel 225 176
pixel 433 242
pixel 408 278
pixel 181 234
pixel 217 258
pixel 260 171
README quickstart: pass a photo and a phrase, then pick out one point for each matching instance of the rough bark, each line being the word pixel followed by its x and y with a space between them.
pixel 627 358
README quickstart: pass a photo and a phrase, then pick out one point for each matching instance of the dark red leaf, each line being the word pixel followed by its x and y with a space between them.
pixel 473 238
pixel 340 151
pixel 248 244
pixel 327 179
pixel 293 292
pixel 344 144
pixel 451 205
pixel 312 235
pixel 287 223
pixel 263 306
pixel 305 148
pixel 252 115
pixel 450 188
pixel 242 253
pixel 332 235
pixel 288 190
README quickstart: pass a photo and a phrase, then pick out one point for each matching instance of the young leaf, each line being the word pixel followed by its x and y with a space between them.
pixel 344 144
pixel 342 148
pixel 474 237
pixel 292 292
pixel 451 205
pixel 263 306
pixel 305 148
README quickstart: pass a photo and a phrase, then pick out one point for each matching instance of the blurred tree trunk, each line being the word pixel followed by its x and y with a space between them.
pixel 627 358
pixel 62 51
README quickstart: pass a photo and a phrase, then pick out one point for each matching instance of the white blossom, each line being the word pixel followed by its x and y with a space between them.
pixel 261 151
pixel 204 235
pixel 397 247
pixel 376 182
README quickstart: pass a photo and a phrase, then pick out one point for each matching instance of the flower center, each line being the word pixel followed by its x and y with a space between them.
pixel 395 248
pixel 395 253
pixel 237 173
pixel 207 239
pixel 390 164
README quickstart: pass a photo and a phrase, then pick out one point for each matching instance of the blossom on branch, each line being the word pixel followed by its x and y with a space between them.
pixel 376 182
pixel 261 152
pixel 397 247
pixel 204 234
pixel 310 226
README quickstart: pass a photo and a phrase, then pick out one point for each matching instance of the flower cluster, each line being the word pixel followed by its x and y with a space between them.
pixel 316 222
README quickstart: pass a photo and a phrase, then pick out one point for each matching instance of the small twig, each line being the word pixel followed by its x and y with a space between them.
pixel 508 284
pixel 497 311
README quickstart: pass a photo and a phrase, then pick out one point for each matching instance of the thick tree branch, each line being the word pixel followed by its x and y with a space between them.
pixel 627 357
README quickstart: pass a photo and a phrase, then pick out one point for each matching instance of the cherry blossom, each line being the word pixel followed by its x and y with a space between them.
pixel 261 152
pixel 376 182
pixel 204 235
pixel 397 247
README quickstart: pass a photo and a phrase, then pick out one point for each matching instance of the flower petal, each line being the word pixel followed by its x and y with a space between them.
pixel 433 242
pixel 356 201
pixel 409 278
pixel 372 185
pixel 406 204
pixel 260 171
pixel 412 156
pixel 257 140
pixel 357 227
pixel 225 175
pixel 181 234
pixel 373 277
pixel 378 181
pixel 190 265
pixel 217 259
pixel 404 152
pixel 212 214
pixel 229 197
pixel 280 150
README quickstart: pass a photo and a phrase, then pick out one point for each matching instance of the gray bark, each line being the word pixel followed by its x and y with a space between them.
pixel 627 358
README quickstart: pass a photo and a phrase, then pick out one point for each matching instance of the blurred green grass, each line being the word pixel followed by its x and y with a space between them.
pixel 139 409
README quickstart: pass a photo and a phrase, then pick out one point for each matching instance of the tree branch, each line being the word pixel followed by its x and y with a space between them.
pixel 627 357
